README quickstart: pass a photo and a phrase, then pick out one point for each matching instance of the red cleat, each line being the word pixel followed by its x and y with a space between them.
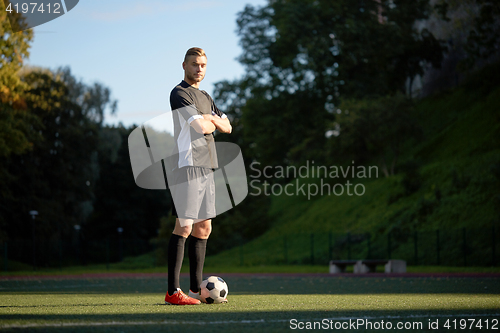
pixel 179 298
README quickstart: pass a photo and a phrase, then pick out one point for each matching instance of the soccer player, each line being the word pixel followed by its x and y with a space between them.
pixel 191 181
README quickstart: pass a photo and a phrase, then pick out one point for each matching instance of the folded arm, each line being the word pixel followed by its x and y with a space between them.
pixel 222 124
pixel 203 126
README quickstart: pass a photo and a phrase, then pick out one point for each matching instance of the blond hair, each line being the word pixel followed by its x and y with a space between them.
pixel 196 51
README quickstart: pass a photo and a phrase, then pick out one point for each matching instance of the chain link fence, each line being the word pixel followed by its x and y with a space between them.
pixel 21 254
pixel 449 247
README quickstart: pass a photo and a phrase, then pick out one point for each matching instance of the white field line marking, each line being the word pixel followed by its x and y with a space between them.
pixel 180 322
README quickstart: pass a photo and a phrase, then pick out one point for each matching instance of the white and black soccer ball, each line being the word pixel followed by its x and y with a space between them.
pixel 214 290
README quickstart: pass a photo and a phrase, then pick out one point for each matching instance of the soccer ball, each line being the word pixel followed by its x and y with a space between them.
pixel 213 290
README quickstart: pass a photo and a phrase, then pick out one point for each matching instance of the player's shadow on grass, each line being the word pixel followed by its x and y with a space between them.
pixel 209 318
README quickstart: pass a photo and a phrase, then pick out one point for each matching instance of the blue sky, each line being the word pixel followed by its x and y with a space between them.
pixel 136 48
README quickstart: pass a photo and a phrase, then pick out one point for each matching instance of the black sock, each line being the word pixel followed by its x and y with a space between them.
pixel 197 248
pixel 175 256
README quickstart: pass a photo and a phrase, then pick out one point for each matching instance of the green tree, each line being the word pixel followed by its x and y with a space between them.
pixel 15 134
pixel 345 47
pixel 119 202
pixel 94 100
pixel 301 56
pixel 374 129
pixel 55 177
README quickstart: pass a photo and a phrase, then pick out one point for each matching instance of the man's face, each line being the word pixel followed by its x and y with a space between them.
pixel 194 68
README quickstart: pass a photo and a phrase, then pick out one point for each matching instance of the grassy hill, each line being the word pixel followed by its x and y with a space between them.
pixel 457 169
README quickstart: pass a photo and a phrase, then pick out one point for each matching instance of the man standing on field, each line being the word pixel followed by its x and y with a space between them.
pixel 191 177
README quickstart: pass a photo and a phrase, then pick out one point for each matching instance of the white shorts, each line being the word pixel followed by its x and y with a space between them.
pixel 193 193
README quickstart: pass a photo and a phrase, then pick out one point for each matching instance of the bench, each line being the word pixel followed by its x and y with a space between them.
pixel 390 266
pixel 368 266
pixel 395 266
pixel 339 266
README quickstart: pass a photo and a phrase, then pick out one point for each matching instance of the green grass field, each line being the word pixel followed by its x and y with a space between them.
pixel 264 302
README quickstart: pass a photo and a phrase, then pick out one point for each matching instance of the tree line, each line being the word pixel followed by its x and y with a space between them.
pixel 58 157
pixel 332 80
